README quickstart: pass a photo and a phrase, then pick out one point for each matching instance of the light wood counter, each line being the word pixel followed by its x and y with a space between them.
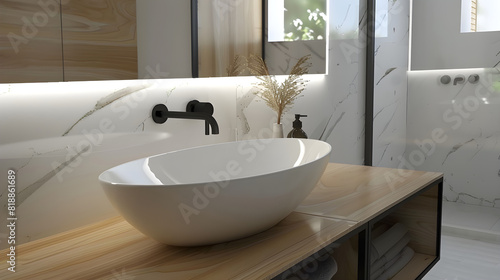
pixel 344 202
pixel 360 193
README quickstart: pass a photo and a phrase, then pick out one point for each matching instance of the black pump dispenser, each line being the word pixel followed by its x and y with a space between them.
pixel 297 131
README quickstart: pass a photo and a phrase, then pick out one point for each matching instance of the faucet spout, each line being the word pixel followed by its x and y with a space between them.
pixel 161 114
pixel 458 80
pixel 209 120
pixel 213 124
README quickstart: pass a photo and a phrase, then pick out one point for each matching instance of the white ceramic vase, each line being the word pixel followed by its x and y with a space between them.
pixel 277 130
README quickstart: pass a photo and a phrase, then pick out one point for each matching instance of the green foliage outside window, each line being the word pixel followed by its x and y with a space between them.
pixel 305 20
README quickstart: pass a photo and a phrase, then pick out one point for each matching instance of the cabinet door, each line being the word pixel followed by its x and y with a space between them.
pixel 30 41
pixel 99 39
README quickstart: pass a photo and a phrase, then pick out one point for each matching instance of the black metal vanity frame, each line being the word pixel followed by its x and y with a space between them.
pixel 364 233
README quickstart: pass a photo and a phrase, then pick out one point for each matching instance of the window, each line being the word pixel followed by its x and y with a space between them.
pixel 296 20
pixel 480 16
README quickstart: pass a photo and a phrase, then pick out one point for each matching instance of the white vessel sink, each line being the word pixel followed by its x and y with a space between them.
pixel 216 193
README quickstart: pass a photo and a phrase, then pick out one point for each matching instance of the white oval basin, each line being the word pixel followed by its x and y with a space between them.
pixel 216 193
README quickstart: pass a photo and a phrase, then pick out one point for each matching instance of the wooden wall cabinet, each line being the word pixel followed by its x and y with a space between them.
pixel 72 40
pixel 30 42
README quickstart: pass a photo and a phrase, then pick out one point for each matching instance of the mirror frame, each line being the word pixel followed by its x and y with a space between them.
pixel 194 39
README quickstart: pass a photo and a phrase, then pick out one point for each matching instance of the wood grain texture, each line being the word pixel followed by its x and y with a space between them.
pixel 360 193
pixel 100 39
pixel 30 42
pixel 415 267
pixel 419 216
pixel 346 256
pixel 113 249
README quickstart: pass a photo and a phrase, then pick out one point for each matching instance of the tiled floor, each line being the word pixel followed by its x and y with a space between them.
pixel 470 244
pixel 466 259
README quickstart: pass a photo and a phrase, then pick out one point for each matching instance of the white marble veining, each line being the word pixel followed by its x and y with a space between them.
pixel 390 88
pixel 454 129
pixel 282 56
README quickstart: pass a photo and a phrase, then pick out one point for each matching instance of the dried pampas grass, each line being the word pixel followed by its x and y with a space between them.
pixel 237 66
pixel 279 97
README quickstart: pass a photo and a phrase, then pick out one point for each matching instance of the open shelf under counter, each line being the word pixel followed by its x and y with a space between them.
pixel 416 267
pixel 340 211
pixel 370 195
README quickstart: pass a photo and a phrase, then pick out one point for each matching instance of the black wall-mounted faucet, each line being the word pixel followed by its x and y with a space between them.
pixel 195 110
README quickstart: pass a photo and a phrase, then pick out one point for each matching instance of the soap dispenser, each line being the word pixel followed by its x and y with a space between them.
pixel 297 131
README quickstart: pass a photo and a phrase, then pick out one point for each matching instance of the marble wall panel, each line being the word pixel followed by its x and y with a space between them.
pixel 390 83
pixel 454 129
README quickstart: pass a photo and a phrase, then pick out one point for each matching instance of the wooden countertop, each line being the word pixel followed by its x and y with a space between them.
pixel 346 198
pixel 360 193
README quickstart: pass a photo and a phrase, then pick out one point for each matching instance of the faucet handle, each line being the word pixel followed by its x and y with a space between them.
pixel 159 113
pixel 195 106
pixel 459 79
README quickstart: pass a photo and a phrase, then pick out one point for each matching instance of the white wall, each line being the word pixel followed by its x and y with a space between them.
pixel 454 129
pixel 438 44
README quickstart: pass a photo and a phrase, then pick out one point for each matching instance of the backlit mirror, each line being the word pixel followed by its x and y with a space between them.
pixel 78 40
pixel 281 31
